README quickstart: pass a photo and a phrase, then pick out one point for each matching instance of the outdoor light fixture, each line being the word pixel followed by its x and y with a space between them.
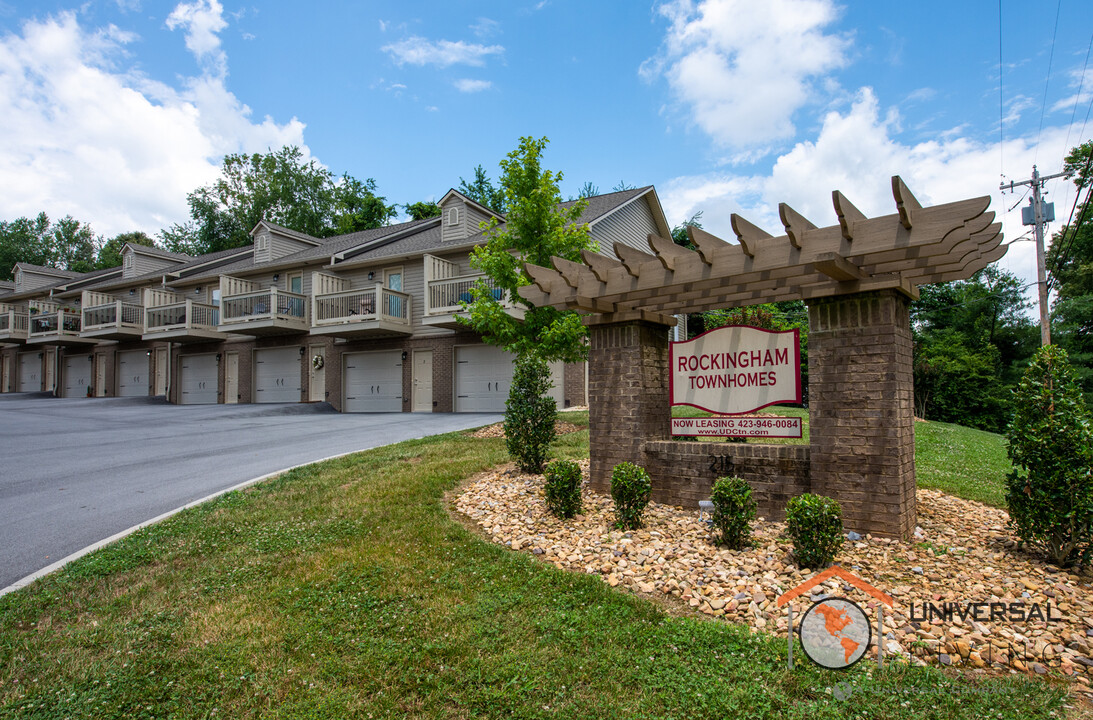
pixel 149 353
pixel 276 277
pixel 197 291
pixel 218 357
pixel 90 358
pixel 132 292
pixel 371 275
pixel 403 354
pixel 302 351
pixel 39 356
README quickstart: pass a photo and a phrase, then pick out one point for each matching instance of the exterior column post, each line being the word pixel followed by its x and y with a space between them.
pixel 861 409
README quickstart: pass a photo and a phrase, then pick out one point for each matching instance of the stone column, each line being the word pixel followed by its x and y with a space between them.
pixel 861 409
pixel 627 394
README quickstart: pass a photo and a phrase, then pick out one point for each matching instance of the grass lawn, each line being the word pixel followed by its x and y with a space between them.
pixel 346 590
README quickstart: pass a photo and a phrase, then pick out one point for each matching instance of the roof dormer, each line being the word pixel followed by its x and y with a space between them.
pixel 137 260
pixel 30 277
pixel 272 242
pixel 461 217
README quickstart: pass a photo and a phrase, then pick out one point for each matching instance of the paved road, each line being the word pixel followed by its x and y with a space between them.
pixel 76 471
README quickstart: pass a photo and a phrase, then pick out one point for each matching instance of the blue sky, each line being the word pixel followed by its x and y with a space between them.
pixel 115 109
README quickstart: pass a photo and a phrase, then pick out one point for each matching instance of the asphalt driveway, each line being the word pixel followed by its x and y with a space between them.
pixel 76 471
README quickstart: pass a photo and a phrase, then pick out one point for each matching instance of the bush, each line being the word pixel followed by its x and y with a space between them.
pixel 630 489
pixel 1050 490
pixel 733 511
pixel 815 523
pixel 563 488
pixel 529 414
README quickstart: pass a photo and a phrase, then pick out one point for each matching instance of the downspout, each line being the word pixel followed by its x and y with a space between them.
pixel 168 398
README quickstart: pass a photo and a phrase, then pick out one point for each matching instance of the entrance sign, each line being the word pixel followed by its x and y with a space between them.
pixel 736 370
pixel 759 426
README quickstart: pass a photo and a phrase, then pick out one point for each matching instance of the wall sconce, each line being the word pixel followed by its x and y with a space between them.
pixel 90 358
pixel 39 356
pixel 371 275
pixel 132 292
pixel 197 291
pixel 276 277
pixel 149 353
pixel 302 351
pixel 403 354
pixel 218 357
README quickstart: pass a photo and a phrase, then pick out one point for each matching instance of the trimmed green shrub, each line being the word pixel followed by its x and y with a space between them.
pixel 1050 490
pixel 563 488
pixel 733 510
pixel 630 489
pixel 815 524
pixel 529 414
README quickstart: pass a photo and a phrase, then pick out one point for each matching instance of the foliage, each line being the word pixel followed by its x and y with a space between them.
pixel 630 489
pixel 536 229
pixel 588 190
pixel 529 414
pixel 283 188
pixel 733 510
pixel 422 210
pixel 562 488
pixel 623 186
pixel 815 524
pixel 958 384
pixel 482 191
pixel 1050 491
pixel 679 232
pixel 109 254
pixel 66 244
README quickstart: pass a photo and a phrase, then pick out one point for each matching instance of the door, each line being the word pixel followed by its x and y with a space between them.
pixel 77 376
pixel 557 380
pixel 483 374
pixel 277 375
pixel 161 371
pixel 373 381
pixel 316 379
pixel 100 375
pixel 5 371
pixel 294 283
pixel 197 379
pixel 30 372
pixel 51 370
pixel 231 378
pixel 423 381
pixel 392 280
pixel 133 373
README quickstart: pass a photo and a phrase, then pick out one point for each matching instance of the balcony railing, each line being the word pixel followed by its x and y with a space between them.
pixel 60 322
pixel 116 315
pixel 447 296
pixel 187 315
pixel 353 306
pixel 13 324
pixel 271 304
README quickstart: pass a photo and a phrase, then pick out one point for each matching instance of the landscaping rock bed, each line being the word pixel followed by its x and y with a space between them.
pixel 498 430
pixel 962 553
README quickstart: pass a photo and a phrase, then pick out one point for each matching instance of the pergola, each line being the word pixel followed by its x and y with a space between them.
pixel 857 276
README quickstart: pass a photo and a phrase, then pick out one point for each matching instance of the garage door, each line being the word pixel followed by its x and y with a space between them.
pixel 277 375
pixel 373 381
pixel 197 378
pixel 483 374
pixel 77 376
pixel 133 373
pixel 30 372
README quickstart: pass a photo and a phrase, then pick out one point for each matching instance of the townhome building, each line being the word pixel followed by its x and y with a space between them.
pixel 368 322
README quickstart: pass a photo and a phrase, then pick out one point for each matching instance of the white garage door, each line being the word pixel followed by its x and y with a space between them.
pixel 198 379
pixel 277 375
pixel 483 374
pixel 133 373
pixel 77 376
pixel 30 372
pixel 373 381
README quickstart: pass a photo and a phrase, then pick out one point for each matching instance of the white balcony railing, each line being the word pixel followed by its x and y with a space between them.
pixel 360 305
pixel 271 304
pixel 116 315
pixel 446 296
pixel 61 322
pixel 13 323
pixel 186 315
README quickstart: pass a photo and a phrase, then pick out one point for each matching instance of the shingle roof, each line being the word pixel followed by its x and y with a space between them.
pixel 50 270
pixel 159 252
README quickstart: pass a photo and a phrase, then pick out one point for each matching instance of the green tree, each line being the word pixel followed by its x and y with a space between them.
pixel 588 190
pixel 422 210
pixel 109 254
pixel 482 191
pixel 357 207
pixel 66 244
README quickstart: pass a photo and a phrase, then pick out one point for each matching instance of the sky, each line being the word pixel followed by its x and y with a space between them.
pixel 113 110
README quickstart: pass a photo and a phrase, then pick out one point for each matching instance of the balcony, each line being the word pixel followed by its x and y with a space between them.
pixel 444 300
pixel 57 327
pixel 183 321
pixel 117 320
pixel 356 314
pixel 264 312
pixel 13 325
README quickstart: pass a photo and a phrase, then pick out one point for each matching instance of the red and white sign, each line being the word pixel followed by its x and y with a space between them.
pixel 736 370
pixel 735 426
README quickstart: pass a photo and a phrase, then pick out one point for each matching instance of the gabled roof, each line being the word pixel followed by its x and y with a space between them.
pixel 282 230
pixel 46 270
pixel 156 252
pixel 72 282
pixel 477 205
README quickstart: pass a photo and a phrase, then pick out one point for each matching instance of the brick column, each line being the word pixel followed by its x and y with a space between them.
pixel 861 409
pixel 627 394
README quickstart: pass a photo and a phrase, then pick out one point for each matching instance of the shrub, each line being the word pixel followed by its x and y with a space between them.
pixel 815 523
pixel 733 511
pixel 529 414
pixel 563 488
pixel 630 489
pixel 1050 490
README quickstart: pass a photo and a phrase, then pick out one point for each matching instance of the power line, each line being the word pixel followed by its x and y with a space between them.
pixel 1078 97
pixel 1062 257
pixel 1047 80
pixel 1001 101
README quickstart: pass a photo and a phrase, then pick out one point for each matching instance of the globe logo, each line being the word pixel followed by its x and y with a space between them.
pixel 835 633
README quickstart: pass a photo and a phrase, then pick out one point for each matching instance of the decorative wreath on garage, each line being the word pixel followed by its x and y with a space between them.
pixel 317 362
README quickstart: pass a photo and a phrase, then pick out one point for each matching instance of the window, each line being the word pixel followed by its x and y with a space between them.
pixel 129 261
pixel 453 216
pixel 262 243
pixel 295 283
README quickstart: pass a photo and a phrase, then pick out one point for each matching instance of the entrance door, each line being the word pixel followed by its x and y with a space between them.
pixel 231 378
pixel 100 375
pixel 51 371
pixel 423 381
pixel 197 379
pixel 161 371
pixel 483 374
pixel 316 379
pixel 5 371
pixel 277 375
pixel 133 373
pixel 373 381
pixel 77 377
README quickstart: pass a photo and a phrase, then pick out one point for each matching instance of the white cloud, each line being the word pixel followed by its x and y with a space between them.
pixel 745 68
pixel 112 147
pixel 855 152
pixel 383 26
pixel 485 28
pixel 417 50
pixel 127 5
pixel 472 86
pixel 202 20
pixel 1083 90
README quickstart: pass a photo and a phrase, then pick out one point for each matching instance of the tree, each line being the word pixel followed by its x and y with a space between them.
pixel 623 185
pixel 357 207
pixel 482 191
pixel 66 244
pixel 109 254
pixel 422 210
pixel 588 190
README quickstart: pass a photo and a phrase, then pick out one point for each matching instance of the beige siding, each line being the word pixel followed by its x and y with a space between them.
pixel 474 220
pixel 453 233
pixel 280 246
pixel 630 226
pixel 29 280
pixel 144 264
pixel 413 284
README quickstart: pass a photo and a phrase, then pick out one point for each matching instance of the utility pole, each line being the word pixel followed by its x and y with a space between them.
pixel 1038 214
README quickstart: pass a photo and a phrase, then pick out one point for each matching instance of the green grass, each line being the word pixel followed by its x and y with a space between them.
pixel 345 589
pixel 968 463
